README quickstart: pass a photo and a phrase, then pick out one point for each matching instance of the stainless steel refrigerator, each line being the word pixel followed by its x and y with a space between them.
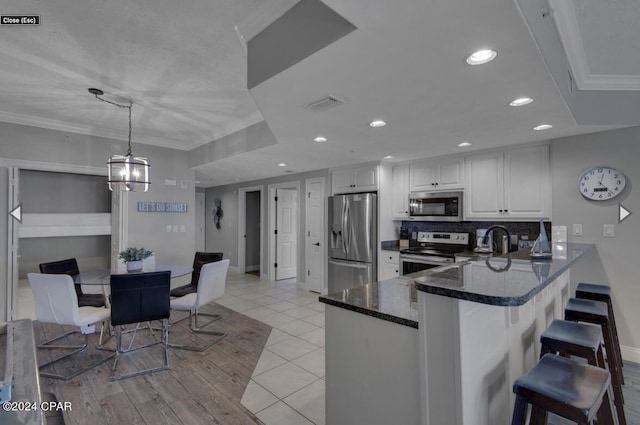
pixel 353 223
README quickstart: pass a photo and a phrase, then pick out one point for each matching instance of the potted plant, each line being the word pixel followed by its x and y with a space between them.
pixel 133 258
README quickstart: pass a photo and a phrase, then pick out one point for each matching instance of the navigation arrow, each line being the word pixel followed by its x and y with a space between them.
pixel 17 213
pixel 622 213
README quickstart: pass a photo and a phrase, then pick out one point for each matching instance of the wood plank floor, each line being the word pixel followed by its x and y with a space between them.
pixel 200 388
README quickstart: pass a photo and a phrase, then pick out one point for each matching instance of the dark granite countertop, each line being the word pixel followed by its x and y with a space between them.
pixel 394 300
pixel 506 280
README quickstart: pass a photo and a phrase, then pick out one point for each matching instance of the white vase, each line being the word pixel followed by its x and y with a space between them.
pixel 134 266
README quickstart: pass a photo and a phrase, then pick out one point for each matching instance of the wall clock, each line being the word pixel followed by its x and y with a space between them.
pixel 601 183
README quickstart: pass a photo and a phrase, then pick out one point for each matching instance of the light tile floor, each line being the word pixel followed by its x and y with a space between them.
pixel 287 386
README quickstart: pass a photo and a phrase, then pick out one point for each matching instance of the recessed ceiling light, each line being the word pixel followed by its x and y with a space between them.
pixel 542 127
pixel 377 123
pixel 282 164
pixel 389 157
pixel 464 144
pixel 521 101
pixel 481 57
pixel 320 139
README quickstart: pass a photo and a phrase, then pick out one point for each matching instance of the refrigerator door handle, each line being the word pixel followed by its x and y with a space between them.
pixel 344 226
pixel 347 228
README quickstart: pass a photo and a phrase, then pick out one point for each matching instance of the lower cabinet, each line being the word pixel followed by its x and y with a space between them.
pixel 390 265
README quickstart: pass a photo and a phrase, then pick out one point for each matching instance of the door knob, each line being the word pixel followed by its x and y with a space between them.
pixel 316 244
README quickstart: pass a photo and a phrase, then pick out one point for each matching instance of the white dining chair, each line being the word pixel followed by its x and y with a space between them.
pixel 211 286
pixel 56 302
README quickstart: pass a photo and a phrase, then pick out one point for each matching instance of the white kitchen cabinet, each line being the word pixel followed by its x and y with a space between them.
pixel 390 265
pixel 440 174
pixel 401 192
pixel 363 179
pixel 513 184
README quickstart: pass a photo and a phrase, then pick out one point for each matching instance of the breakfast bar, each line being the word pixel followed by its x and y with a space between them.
pixel 478 329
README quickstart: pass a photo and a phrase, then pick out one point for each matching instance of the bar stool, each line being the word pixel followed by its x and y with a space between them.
pixel 590 291
pixel 597 313
pixel 576 339
pixel 575 391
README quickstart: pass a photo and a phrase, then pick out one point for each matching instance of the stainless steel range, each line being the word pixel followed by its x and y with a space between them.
pixel 434 249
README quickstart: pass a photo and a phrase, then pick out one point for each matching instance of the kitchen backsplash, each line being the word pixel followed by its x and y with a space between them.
pixel 529 229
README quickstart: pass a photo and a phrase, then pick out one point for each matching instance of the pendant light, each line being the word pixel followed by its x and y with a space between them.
pixel 128 172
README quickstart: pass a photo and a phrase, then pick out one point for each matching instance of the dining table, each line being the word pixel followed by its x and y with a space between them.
pixel 101 277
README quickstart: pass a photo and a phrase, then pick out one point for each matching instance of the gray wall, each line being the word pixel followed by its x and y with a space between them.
pixel 226 239
pixel 48 192
pixel 24 143
pixel 618 256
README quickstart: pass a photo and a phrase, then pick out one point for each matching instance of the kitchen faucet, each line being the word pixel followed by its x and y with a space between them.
pixel 485 239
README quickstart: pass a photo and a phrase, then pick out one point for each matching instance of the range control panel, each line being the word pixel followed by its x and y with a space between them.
pixel 444 238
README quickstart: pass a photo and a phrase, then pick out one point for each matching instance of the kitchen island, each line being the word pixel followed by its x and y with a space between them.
pixel 478 329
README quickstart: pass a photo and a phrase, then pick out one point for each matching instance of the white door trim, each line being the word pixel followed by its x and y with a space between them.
pixel 49 166
pixel 242 225
pixel 295 184
pixel 323 232
pixel 12 245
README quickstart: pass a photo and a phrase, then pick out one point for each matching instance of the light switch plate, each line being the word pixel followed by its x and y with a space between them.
pixel 576 229
pixel 608 230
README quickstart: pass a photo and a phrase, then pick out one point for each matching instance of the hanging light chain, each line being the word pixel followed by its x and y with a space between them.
pixel 129 106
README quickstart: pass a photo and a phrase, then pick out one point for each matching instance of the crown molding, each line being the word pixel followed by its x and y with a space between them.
pixel 56 125
pixel 567 24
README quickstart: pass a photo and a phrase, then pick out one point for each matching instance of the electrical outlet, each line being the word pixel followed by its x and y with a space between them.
pixel 576 229
pixel 608 230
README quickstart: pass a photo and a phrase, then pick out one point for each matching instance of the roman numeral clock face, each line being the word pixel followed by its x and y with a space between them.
pixel 601 183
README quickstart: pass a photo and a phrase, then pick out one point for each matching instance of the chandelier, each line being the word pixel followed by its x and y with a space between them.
pixel 126 172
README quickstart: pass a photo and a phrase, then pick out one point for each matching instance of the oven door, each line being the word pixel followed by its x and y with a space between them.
pixel 416 263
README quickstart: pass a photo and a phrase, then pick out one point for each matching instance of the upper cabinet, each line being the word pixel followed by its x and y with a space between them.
pixel 401 192
pixel 440 174
pixel 362 179
pixel 514 184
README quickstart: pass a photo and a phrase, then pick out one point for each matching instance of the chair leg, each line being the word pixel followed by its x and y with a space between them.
pixel 519 412
pixel 76 349
pixel 198 329
pixel 119 351
pixel 193 326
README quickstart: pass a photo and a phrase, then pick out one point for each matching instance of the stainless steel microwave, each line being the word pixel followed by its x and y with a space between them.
pixel 435 206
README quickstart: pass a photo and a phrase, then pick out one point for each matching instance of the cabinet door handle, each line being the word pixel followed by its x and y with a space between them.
pixel 506 210
pixel 499 210
pixel 316 244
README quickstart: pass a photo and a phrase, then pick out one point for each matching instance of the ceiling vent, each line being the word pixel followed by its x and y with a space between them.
pixel 324 104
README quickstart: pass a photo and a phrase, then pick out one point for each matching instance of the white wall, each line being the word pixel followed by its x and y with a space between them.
pixel 618 256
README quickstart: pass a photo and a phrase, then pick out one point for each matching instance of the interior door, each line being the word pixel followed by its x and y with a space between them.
pixel 314 234
pixel 286 233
